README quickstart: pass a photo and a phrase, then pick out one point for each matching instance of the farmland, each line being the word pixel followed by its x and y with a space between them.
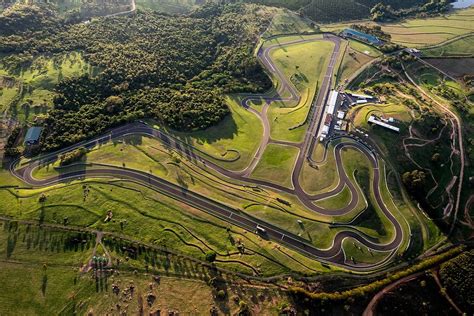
pixel 461 47
pixel 421 33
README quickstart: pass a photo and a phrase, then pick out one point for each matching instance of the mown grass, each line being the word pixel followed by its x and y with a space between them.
pixel 337 201
pixel 357 253
pixel 364 48
pixel 304 65
pixel 423 32
pixel 206 182
pixel 352 61
pixel 240 131
pixel 169 223
pixel 276 164
pixel 22 285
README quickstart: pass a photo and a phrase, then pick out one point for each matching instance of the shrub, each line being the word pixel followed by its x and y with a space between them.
pixel 72 156
pixel 211 256
pixel 221 295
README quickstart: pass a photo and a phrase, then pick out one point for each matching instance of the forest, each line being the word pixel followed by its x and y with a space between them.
pixel 338 10
pixel 172 68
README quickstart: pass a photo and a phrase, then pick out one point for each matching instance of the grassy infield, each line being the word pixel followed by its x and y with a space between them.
pixel 148 155
pixel 182 228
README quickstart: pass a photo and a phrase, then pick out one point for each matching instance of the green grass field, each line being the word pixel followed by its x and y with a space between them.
pixel 241 132
pixel 277 164
pixel 337 201
pixel 460 47
pixel 357 253
pixel 355 57
pixel 288 22
pixel 423 32
pixel 364 48
pixel 168 6
pixel 304 65
pixel 169 223
pixel 40 267
pixel 28 92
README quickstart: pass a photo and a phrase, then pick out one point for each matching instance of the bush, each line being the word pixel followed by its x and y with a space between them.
pixel 377 285
pixel 72 156
pixel 221 294
pixel 211 256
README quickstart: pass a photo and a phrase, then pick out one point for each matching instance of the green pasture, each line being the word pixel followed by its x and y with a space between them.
pixel 420 32
pixel 276 164
pixel 169 223
pixel 364 48
pixel 288 22
pixel 29 91
pixel 337 201
pixel 423 32
pixel 352 62
pixel 461 47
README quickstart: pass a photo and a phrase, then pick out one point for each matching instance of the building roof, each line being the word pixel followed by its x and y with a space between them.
pixel 368 37
pixel 372 119
pixel 332 102
pixel 33 134
pixel 361 96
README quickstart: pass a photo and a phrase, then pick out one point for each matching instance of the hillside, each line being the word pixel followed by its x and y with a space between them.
pixel 172 68
pixel 337 10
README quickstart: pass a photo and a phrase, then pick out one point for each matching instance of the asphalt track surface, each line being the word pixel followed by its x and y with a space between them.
pixel 334 254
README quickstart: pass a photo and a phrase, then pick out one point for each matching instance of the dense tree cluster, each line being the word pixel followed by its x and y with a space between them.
pixel 72 156
pixel 375 30
pixel 21 19
pixel 337 10
pixel 382 12
pixel 174 68
pixel 368 289
pixel 458 276
pixel 415 181
pixel 10 146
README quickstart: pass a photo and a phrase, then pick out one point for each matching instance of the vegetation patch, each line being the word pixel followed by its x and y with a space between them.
pixel 461 47
pixel 277 164
pixel 144 76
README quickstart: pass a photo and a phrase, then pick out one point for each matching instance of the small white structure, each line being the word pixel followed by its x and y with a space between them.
pixel 341 114
pixel 361 96
pixel 361 101
pixel 325 130
pixel 331 105
pixel 373 119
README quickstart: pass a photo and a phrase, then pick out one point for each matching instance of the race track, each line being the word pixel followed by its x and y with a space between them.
pixel 333 254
